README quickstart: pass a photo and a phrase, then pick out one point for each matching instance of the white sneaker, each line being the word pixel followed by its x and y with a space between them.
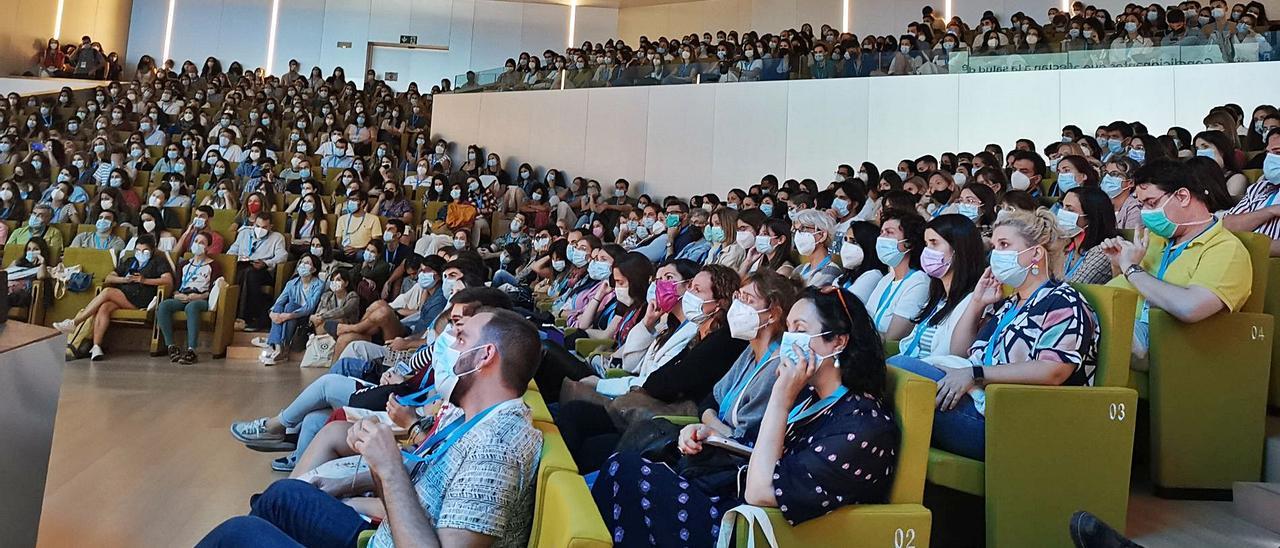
pixel 260 342
pixel 269 355
pixel 65 326
pixel 96 353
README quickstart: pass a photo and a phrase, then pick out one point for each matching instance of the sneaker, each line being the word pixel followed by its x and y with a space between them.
pixel 174 353
pixel 96 354
pixel 284 464
pixel 65 326
pixel 250 328
pixel 254 431
pixel 1087 531
pixel 188 357
pixel 260 342
pixel 267 357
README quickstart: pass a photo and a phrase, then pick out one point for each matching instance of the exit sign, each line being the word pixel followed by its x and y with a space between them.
pixel 408 39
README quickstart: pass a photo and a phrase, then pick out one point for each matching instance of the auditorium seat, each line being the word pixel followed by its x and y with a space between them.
pixel 96 262
pixel 1207 387
pixel 571 519
pixel 1054 450
pixel 555 457
pixel 221 320
pixel 904 517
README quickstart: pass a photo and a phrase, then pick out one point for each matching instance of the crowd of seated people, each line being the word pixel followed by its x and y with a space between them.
pixel 758 312
pixel 928 46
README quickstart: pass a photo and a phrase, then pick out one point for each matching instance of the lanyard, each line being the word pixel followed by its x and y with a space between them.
pixel 730 401
pixel 799 412
pixel 190 273
pixel 805 270
pixel 389 254
pixel 1004 321
pixel 98 243
pixel 920 329
pixel 444 438
pixel 1172 252
pixel 622 327
pixel 886 298
pixel 419 398
pixel 1074 260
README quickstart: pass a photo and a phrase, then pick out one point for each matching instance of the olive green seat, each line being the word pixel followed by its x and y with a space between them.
pixel 1053 450
pixel 1207 386
pixel 1272 307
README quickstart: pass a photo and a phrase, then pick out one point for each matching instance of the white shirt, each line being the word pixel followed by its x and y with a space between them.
pixel 654 358
pixel 892 297
pixel 939 343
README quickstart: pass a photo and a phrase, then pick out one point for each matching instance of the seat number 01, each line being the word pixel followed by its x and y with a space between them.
pixel 904 538
pixel 1116 412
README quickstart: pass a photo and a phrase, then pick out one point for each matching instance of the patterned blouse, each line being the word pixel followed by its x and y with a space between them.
pixel 1260 195
pixel 1090 267
pixel 1056 324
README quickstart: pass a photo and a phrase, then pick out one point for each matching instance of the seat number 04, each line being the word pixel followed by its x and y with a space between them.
pixel 904 538
pixel 1116 412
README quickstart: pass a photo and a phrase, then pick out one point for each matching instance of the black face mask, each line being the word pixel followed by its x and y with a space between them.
pixel 941 196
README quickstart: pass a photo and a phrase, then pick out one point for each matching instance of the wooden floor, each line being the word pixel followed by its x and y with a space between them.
pixel 142 456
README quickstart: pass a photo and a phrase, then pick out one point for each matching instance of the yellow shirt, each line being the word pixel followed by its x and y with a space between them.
pixel 357 231
pixel 1215 260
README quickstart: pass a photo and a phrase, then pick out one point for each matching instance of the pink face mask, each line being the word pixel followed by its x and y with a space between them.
pixel 665 294
pixel 934 263
pixel 598 232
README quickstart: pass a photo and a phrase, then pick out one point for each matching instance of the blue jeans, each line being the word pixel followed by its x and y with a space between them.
pixel 281 332
pixel 503 277
pixel 290 513
pixel 351 367
pixel 164 319
pixel 962 430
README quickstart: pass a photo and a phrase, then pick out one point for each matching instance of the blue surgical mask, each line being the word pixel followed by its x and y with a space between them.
pixel 1271 167
pixel 426 279
pixel 35 221
pixel 1138 155
pixel 304 269
pixel 102 226
pixel 792 339
pixel 1112 185
pixel 351 207
pixel 1206 152
pixel 599 270
pixel 449 286
pixel 887 251
pixel 1157 221
pixel 304 173
pixel 1005 267
pixel 143 257
pixel 32 256
pixel 713 234
pixel 767 209
pixel 841 206
pixel 1115 145
pixel 969 210
pixel 369 256
pixel 1067 181
pixel 198 248
pixel 317 250
pixel 577 256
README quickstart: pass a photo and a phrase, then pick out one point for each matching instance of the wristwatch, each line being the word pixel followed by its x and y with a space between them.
pixel 1133 268
pixel 978 375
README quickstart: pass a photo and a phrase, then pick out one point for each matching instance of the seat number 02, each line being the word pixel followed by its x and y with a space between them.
pixel 904 538
pixel 1116 412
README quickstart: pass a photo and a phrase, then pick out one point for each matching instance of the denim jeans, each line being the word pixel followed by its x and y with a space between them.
pixel 290 513
pixel 311 409
pixel 962 430
pixel 503 277
pixel 164 319
pixel 281 333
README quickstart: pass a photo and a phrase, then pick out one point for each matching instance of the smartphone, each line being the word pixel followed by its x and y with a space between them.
pixel 38 147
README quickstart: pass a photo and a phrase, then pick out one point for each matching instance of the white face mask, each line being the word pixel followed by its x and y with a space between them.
pixel 805 243
pixel 745 239
pixel 851 255
pixel 744 321
pixel 623 296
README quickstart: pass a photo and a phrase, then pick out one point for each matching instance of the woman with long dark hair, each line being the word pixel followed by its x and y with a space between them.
pixel 1086 220
pixel 954 258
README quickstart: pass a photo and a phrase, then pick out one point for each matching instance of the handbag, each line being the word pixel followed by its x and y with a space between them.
pixel 319 351
pixel 754 516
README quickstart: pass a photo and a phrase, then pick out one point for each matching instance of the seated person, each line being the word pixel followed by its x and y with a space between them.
pixel 382 318
pixel 954 258
pixel 201 217
pixel 1257 210
pixel 192 298
pixel 39 224
pixel 1009 338
pixel 900 295
pixel 1193 269
pixel 355 228
pixel 28 270
pixel 133 286
pixel 862 269
pixel 487 444
pixel 258 250
pixel 297 301
pixel 1086 220
pixel 103 234
pixel 830 388
pixel 357 356
pixel 813 231
pixel 151 225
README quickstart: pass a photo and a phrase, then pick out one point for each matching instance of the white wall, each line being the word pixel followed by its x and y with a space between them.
pixel 473 34
pixel 710 138
pixel 27 25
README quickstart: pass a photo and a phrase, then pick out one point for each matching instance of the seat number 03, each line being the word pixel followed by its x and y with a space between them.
pixel 1116 412
pixel 904 538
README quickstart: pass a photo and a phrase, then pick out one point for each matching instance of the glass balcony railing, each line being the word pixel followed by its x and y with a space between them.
pixel 936 61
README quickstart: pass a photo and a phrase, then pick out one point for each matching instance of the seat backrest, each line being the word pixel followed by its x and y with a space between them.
pixel 913 403
pixel 555 453
pixel 95 261
pixel 1259 247
pixel 570 518
pixel 1116 309
pixel 11 253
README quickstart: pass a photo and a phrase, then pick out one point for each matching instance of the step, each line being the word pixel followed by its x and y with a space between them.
pixel 1258 503
pixel 1271 452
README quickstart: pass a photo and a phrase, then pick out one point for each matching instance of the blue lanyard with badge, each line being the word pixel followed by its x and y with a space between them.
pixel 1074 260
pixel 730 401
pixel 805 270
pixel 886 298
pixel 920 329
pixel 190 272
pixel 1003 323
pixel 1167 257
pixel 439 443
pixel 800 413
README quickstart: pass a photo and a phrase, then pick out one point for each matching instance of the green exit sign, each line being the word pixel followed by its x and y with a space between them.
pixel 408 39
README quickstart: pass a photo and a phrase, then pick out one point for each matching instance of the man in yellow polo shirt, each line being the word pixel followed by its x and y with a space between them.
pixel 355 228
pixel 1186 263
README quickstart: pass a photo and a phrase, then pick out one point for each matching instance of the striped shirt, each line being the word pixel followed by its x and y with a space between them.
pixel 1260 195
